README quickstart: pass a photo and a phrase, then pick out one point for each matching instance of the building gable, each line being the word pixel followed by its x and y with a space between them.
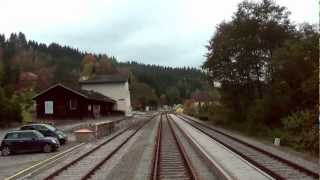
pixel 90 95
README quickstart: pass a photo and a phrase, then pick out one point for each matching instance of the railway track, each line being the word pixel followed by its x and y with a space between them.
pixel 273 165
pixel 87 164
pixel 170 160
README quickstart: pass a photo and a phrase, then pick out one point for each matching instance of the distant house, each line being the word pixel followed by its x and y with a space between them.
pixel 60 102
pixel 115 86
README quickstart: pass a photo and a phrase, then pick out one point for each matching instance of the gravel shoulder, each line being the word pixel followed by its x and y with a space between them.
pixel 199 164
pixel 14 163
pixel 85 149
pixel 284 152
pixel 143 167
pixel 134 159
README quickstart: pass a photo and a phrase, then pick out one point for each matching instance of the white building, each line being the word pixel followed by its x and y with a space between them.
pixel 115 86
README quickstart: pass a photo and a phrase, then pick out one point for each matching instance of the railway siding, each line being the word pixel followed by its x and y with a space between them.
pixel 128 163
pixel 310 165
pixel 111 142
pixel 235 166
pixel 169 147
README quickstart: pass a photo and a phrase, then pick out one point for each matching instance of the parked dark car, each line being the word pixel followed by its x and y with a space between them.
pixel 27 141
pixel 48 131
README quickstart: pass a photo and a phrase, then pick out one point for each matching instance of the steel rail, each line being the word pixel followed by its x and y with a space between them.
pixel 254 162
pixel 104 160
pixel 156 153
pixel 217 169
pixel 65 167
pixel 156 163
pixel 190 167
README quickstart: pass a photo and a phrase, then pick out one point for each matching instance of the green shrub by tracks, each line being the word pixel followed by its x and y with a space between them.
pixel 301 131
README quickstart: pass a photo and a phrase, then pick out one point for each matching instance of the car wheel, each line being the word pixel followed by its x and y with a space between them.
pixel 47 148
pixel 5 151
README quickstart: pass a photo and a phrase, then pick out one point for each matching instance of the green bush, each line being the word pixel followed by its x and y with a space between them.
pixel 218 114
pixel 202 115
pixel 301 131
pixel 10 110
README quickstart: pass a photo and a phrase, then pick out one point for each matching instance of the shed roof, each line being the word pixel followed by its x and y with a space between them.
pixel 91 95
pixel 104 79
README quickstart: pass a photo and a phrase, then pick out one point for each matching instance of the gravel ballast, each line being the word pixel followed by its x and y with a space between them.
pixel 199 164
pixel 134 159
pixel 26 160
pixel 312 165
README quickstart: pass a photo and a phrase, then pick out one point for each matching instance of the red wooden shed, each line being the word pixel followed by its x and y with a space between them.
pixel 61 102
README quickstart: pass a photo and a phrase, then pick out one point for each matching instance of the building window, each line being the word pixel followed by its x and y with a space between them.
pixel 48 107
pixel 89 107
pixel 73 104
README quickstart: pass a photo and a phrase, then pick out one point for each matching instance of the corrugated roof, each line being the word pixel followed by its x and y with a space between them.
pixel 101 79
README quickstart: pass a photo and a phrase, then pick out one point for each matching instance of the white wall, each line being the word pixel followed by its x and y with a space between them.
pixel 117 91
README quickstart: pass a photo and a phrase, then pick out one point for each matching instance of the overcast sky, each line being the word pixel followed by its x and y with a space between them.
pixel 165 32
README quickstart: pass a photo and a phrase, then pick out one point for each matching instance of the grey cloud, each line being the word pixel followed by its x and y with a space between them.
pixel 162 32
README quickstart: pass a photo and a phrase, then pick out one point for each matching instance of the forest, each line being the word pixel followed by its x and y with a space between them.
pixel 28 67
pixel 266 70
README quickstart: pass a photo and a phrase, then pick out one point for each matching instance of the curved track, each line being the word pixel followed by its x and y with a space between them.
pixel 273 165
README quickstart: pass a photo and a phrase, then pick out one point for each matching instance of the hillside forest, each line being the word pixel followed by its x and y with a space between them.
pixel 28 67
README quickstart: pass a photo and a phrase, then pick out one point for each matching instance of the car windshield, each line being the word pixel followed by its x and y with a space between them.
pixel 30 135
pixel 13 135
pixel 59 132
pixel 40 135
pixel 50 127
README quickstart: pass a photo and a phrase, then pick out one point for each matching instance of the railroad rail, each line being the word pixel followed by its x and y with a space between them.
pixel 91 161
pixel 275 166
pixel 170 160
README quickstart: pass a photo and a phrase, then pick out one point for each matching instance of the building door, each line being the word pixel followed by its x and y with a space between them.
pixel 96 110
pixel 61 108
